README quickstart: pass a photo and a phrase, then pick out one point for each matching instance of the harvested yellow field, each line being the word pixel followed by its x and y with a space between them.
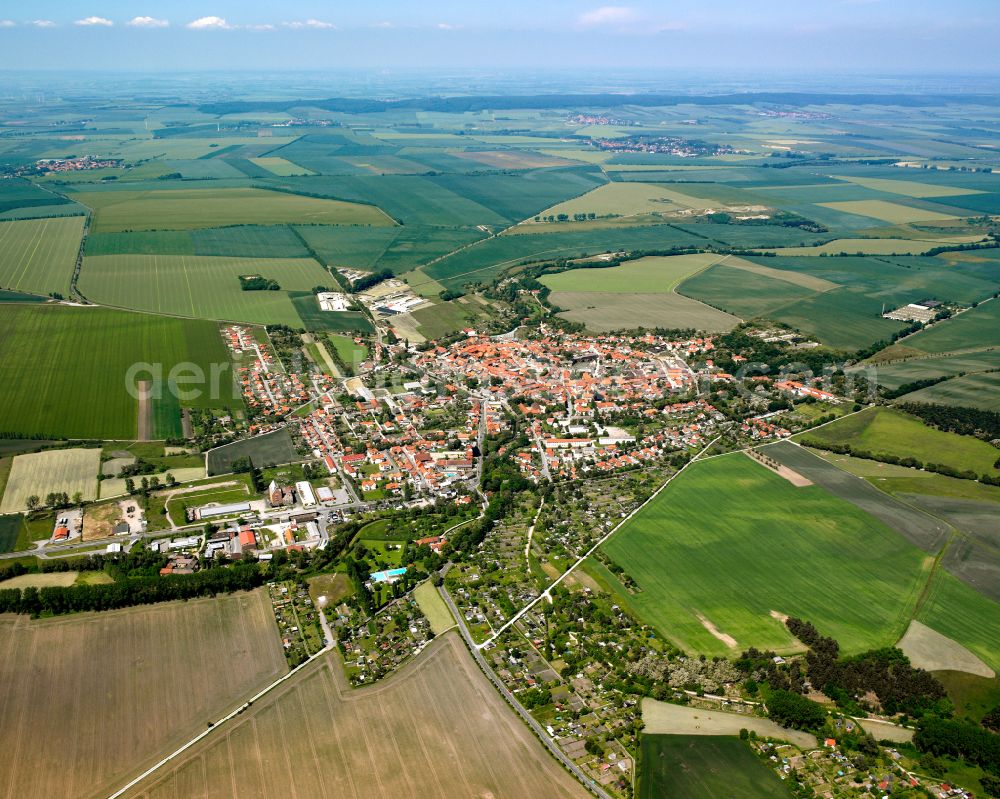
pixel 872 246
pixel 663 718
pixel 91 700
pixel 437 728
pixel 796 278
pixel 621 199
pixel 887 211
pixel 908 188
pixel 41 580
pixel 281 166
pixel 40 473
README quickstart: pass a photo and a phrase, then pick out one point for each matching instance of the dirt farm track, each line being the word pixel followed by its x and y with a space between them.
pixel 435 729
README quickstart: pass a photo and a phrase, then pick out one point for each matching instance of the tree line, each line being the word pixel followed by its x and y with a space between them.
pixel 957 419
pixel 887 673
pixel 131 591
pixel 909 461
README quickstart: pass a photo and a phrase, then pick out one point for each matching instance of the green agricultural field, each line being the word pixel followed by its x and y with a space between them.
pixel 959 612
pixel 653 275
pixel 39 255
pixel 486 260
pixel 10 531
pixel 182 209
pixel 899 480
pixel 922 530
pixel 842 303
pixel 886 431
pixel 616 311
pixel 972 391
pixel 266 450
pixel 63 370
pixel 400 248
pixel 722 548
pixel 894 375
pixel 683 766
pixel 973 329
pixel 316 319
pixel 19 194
pixel 440 319
pixel 747 294
pixel 409 199
pixel 245 241
pixel 842 319
pixel 433 607
pixel 201 287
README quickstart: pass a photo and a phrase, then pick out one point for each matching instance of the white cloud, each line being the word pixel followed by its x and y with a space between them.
pixel 148 22
pixel 262 27
pixel 43 23
pixel 314 24
pixel 7 23
pixel 208 23
pixel 608 15
pixel 445 26
pixel 88 22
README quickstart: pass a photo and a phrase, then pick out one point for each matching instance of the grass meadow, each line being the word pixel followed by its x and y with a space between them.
pixel 63 370
pixel 39 255
pixel 729 542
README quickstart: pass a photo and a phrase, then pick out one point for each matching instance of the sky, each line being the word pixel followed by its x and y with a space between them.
pixel 957 36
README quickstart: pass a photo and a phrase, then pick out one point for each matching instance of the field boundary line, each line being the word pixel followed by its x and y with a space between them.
pixel 208 731
pixel 594 548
